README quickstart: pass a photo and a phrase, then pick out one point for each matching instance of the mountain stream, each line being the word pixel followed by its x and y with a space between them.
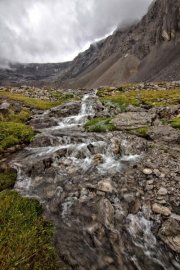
pixel 77 177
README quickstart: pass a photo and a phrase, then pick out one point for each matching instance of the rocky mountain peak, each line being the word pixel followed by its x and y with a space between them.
pixel 166 15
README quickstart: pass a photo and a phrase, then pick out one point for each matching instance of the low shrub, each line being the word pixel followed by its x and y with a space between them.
pixel 14 133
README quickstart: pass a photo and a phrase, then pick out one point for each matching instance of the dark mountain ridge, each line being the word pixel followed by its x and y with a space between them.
pixel 146 51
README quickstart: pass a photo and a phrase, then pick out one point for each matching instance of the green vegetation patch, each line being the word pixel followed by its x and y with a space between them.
pixel 20 117
pixel 33 102
pixel 100 125
pixel 7 179
pixel 26 238
pixel 175 122
pixel 63 96
pixel 14 133
pixel 146 97
pixel 141 132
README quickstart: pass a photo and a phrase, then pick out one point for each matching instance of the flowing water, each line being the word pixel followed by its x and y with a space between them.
pixel 93 228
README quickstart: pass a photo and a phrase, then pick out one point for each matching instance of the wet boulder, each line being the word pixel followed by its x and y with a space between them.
pixel 65 110
pixel 45 122
pixel 97 159
pixel 106 212
pixel 116 146
pixel 44 140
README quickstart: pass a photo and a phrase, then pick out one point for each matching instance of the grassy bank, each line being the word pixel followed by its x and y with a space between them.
pixel 26 238
pixel 12 133
pixel 36 103
pixel 7 179
pixel 141 97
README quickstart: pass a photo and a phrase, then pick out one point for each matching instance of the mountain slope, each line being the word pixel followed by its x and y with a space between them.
pixel 146 51
pixel 153 42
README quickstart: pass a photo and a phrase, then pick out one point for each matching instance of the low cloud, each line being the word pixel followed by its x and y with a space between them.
pixel 57 30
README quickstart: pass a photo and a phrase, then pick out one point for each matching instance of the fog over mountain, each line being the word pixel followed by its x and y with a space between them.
pixel 56 31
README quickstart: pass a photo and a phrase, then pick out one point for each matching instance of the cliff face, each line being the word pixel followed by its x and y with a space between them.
pixel 147 50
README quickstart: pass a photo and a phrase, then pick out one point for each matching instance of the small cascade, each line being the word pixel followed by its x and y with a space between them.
pixel 86 111
pixel 75 175
pixel 140 229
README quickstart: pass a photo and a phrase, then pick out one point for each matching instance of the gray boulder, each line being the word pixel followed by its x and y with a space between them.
pixel 132 120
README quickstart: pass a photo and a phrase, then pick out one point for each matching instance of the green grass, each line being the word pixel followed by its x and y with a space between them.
pixel 20 117
pixel 14 133
pixel 175 122
pixel 141 132
pixel 99 125
pixel 33 102
pixel 7 179
pixel 152 98
pixel 111 105
pixel 63 96
pixel 26 238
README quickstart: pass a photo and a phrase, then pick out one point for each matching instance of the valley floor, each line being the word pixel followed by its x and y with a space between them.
pixel 104 165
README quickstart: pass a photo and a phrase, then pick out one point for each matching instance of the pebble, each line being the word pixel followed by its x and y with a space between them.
pixel 100 193
pixel 150 182
pixel 176 217
pixel 105 185
pixel 129 197
pixel 162 191
pixel 149 187
pixel 159 209
pixel 147 171
pixel 177 179
pixel 162 202
pixel 156 172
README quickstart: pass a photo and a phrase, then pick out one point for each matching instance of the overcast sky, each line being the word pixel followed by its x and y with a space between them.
pixel 57 30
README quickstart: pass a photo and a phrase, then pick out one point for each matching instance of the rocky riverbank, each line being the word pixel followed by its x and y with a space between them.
pixel 106 169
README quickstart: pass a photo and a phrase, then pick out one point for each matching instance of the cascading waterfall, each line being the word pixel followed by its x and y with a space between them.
pixel 61 176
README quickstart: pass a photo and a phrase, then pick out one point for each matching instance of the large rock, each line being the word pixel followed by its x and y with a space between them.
pixel 164 133
pixel 166 112
pixel 132 120
pixel 44 140
pixel 67 109
pixel 40 123
pixel 116 146
pixel 4 107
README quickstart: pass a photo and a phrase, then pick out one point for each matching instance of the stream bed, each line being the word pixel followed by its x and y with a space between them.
pixel 79 178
